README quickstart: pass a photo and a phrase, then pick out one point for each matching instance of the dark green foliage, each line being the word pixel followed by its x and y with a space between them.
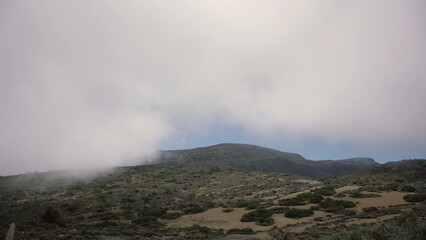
pixel 334 206
pixel 372 212
pixel 325 191
pixel 106 224
pixel 51 215
pixel 243 231
pixel 261 217
pixel 292 202
pixel 253 205
pixel 408 188
pixel 279 209
pixel 265 222
pixel 280 233
pixel 193 209
pixel 418 197
pixel 369 209
pixel 298 213
pixel 328 202
pixel 301 199
pixel 171 215
pixel 311 197
pixel 147 221
pixel 227 210
pixel 198 232
pixel 348 212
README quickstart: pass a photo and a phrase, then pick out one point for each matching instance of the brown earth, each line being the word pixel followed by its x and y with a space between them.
pixel 215 218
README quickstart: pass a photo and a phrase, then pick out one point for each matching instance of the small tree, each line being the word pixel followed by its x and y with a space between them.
pixel 51 215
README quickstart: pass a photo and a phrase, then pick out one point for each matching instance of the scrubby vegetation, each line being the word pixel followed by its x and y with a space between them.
pixel 261 217
pixel 302 199
pixel 333 206
pixel 141 202
pixel 131 201
pixel 243 231
pixel 411 225
pixel 325 191
pixel 298 213
pixel 51 215
pixel 419 197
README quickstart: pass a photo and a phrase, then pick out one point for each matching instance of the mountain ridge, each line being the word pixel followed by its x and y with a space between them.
pixel 259 158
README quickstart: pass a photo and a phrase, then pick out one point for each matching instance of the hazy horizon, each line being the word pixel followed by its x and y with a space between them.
pixel 86 84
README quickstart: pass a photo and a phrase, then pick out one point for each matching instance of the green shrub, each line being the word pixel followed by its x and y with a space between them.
pixel 408 188
pixel 291 202
pixel 279 209
pixel 51 215
pixel 106 224
pixel 194 209
pixel 298 213
pixel 311 197
pixel 328 202
pixel 261 217
pixel 253 205
pixel 243 231
pixel 369 209
pixel 171 215
pixel 325 191
pixel 302 199
pixel 227 210
pixel 71 208
pixel 418 197
pixel 265 222
pixel 147 221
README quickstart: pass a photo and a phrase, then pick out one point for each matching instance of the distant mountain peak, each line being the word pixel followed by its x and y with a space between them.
pixel 258 158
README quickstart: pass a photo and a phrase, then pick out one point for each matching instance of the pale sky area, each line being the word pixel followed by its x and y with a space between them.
pixel 99 83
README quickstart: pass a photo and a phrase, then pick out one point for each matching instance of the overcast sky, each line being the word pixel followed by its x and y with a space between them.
pixel 97 83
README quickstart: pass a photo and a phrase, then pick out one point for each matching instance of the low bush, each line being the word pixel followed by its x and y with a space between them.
pixel 147 221
pixel 325 191
pixel 291 202
pixel 298 213
pixel 408 188
pixel 334 206
pixel 51 215
pixel 302 199
pixel 418 197
pixel 279 209
pixel 171 215
pixel 261 217
pixel 194 209
pixel 369 209
pixel 227 210
pixel 243 231
pixel 328 202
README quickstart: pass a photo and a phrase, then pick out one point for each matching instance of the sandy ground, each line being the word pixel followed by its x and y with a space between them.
pixel 387 199
pixel 216 218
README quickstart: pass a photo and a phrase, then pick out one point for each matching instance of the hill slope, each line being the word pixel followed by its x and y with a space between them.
pixel 256 158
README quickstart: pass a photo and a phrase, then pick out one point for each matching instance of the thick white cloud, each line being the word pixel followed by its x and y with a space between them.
pixel 92 83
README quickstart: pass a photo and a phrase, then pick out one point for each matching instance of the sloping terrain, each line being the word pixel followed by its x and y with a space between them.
pixel 196 194
pixel 256 158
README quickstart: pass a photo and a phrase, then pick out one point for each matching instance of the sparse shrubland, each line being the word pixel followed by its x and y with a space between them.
pixel 139 202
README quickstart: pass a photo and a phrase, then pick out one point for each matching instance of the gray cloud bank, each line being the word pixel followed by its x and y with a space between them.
pixel 92 83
